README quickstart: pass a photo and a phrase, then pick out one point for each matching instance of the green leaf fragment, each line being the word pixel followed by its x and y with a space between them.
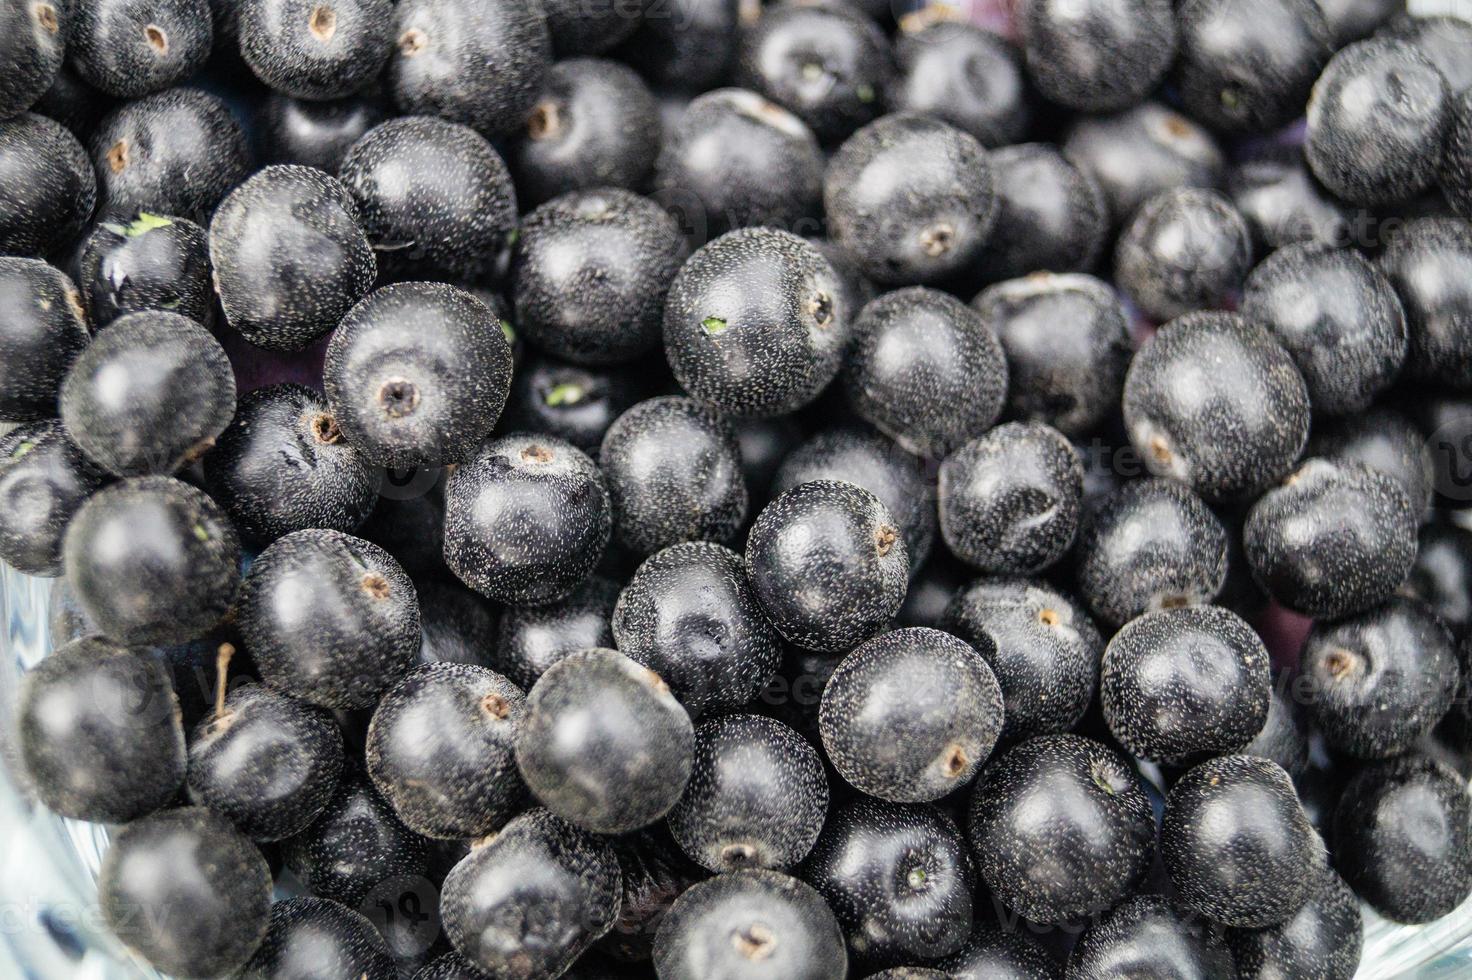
pixel 714 325
pixel 145 223
pixel 200 532
pixel 565 394
pixel 22 449
pixel 865 93
pixel 509 331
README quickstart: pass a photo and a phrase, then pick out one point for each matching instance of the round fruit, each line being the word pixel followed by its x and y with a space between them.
pixel 187 892
pixel 49 187
pixel 150 262
pixel 828 564
pixel 756 925
pixel 1062 828
pixel 98 732
pixel 44 478
pixel 149 395
pixel 526 519
pixel 911 715
pixel 1184 682
pixel 152 560
pixel 1098 55
pixel 289 256
pixel 1213 401
pixel 898 876
pixel 755 324
pixel 440 750
pixel 757 796
pixel 689 615
pixel 313 49
pixel 130 48
pixel 1185 249
pixel 910 199
pixel 417 374
pixel 315 937
pixel 329 618
pixel 1237 845
pixel 603 743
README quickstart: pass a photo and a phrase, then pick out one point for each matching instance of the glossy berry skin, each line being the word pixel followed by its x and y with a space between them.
pixel 313 134
pixel 1182 682
pixel 569 401
pixel 481 66
pixel 750 925
pixel 898 876
pixel 1388 442
pixel 830 65
pixel 526 519
pixel 838 545
pixel 313 50
pixel 99 733
pixel 689 615
pixel 1351 20
pixel 1152 544
pixel 622 750
pixel 591 270
pixel 1248 67
pixel 1322 939
pixel 910 199
pixel 269 762
pixel 44 478
pixel 1381 679
pixel 440 750
pixel 1401 838
pixel 149 394
pixel 186 891
pixel 963 75
pixel 1427 265
pixel 1009 500
pixel 1041 645
pixel 283 465
pixel 755 324
pixel 131 48
pixel 594 124
pixel 149 263
pixel 925 370
pixel 42 330
pixel 734 159
pixel 1386 149
pixel 1136 154
pixel 152 560
pixel 417 374
pixel 50 187
pixel 289 256
pixel 1337 316
pixel 1185 249
pixel 1236 843
pixel 1334 539
pixel 994 953
pixel 329 618
pixel 356 848
pixel 1062 828
pixel 316 937
pixel 1067 346
pixel 1058 213
pixel 867 459
pixel 529 901
pixel 435 199
pixel 1228 432
pixel 34 48
pixel 178 152
pixel 1283 203
pixel 911 715
pixel 530 639
pixel 1098 56
pixel 757 796
pixel 1141 934
pixel 1439 38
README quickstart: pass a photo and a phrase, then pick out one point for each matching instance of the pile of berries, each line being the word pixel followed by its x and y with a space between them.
pixel 723 491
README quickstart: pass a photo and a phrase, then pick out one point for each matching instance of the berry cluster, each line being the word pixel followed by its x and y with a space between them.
pixel 720 491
